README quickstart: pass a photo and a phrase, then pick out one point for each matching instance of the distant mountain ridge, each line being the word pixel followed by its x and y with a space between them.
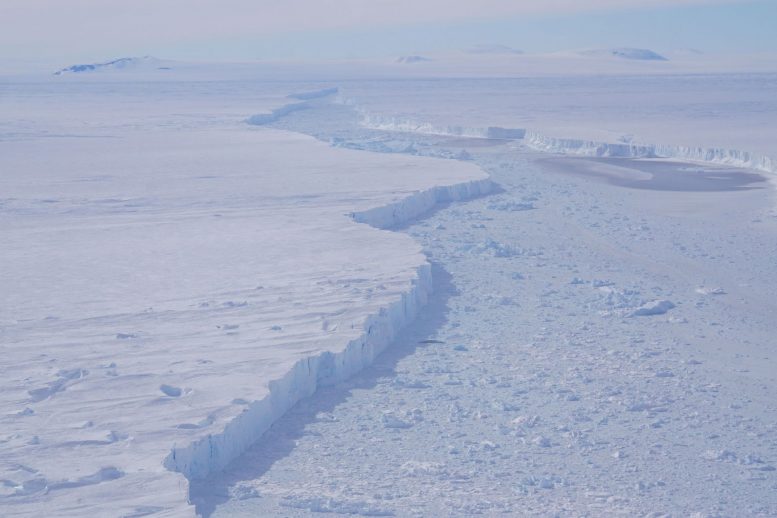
pixel 412 59
pixel 116 64
pixel 626 53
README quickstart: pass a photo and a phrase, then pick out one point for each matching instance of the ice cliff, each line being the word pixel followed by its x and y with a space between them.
pixel 584 147
pixel 215 451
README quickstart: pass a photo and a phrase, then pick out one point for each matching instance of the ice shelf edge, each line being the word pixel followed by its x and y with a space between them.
pixel 722 156
pixel 214 452
pixel 541 142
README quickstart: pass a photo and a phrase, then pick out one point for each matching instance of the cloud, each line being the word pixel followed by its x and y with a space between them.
pixel 78 25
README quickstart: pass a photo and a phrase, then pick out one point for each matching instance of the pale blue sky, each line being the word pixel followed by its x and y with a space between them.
pixel 65 31
pixel 737 28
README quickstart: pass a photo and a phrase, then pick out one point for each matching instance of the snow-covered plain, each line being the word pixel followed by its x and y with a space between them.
pixel 181 264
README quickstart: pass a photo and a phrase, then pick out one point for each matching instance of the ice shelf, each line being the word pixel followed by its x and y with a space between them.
pixel 173 283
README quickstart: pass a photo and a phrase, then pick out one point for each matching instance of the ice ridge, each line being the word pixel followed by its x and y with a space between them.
pixel 416 205
pixel 261 119
pixel 389 123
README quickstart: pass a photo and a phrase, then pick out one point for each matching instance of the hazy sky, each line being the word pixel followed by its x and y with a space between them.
pixel 65 31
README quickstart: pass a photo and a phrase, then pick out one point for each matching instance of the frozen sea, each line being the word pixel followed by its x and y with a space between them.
pixel 572 279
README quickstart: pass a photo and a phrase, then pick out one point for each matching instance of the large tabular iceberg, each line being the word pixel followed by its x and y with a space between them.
pixel 174 283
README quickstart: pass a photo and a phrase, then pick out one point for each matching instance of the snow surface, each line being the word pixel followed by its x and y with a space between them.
pixel 170 288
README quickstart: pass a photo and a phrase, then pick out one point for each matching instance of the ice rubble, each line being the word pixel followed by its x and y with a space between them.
pixel 553 377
